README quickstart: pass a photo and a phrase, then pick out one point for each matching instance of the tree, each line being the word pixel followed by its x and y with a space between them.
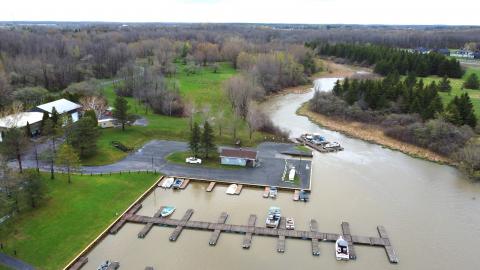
pixel 42 123
pixel 28 130
pixel 472 82
pixel 120 111
pixel 460 111
pixel 83 137
pixel 194 142
pixel 68 159
pixel 96 103
pixel 55 116
pixel 34 188
pixel 444 85
pixel 54 132
pixel 242 89
pixel 92 116
pixel 207 144
pixel 337 89
pixel 14 145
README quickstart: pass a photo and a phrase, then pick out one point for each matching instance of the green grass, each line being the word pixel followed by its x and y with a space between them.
pixel 303 148
pixel 457 89
pixel 212 162
pixel 203 89
pixel 71 217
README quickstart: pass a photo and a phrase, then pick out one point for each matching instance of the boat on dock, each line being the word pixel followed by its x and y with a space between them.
pixel 167 211
pixel 291 174
pixel 177 183
pixel 341 249
pixel 273 192
pixel 231 189
pixel 290 224
pixel 266 192
pixel 108 265
pixel 303 196
pixel 333 146
pixel 167 183
pixel 273 218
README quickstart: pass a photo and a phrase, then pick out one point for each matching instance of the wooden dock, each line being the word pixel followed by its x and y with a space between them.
pixel 266 192
pixel 314 235
pixel 296 195
pixel 247 240
pixel 149 225
pixel 211 186
pixel 185 183
pixel 348 236
pixel 79 264
pixel 123 220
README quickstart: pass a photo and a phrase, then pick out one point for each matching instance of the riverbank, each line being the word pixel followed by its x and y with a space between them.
pixel 371 133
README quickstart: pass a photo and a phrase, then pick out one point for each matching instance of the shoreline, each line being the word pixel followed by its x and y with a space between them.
pixel 372 134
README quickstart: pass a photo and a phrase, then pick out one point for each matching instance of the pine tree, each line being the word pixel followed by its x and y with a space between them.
pixel 444 85
pixel 42 123
pixel 14 145
pixel 120 111
pixel 337 89
pixel 67 158
pixel 55 116
pixel 472 82
pixel 83 137
pixel 91 114
pixel 28 130
pixel 194 143
pixel 460 111
pixel 206 144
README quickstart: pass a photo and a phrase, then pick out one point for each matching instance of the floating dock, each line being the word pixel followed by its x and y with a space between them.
pixel 266 192
pixel 314 235
pixel 239 189
pixel 211 186
pixel 296 195
pixel 319 148
pixel 185 183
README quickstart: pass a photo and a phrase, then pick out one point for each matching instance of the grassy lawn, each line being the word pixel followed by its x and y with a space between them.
pixel 303 148
pixel 211 162
pixel 72 216
pixel 204 89
pixel 457 89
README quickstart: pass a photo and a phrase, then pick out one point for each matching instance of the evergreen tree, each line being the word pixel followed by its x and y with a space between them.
pixel 207 144
pixel 42 123
pixel 55 116
pixel 34 188
pixel 91 114
pixel 54 132
pixel 83 137
pixel 472 82
pixel 14 145
pixel 460 111
pixel 444 85
pixel 120 111
pixel 68 159
pixel 194 142
pixel 337 89
pixel 28 130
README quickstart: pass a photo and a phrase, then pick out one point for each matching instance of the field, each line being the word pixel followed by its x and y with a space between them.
pixel 204 89
pixel 457 89
pixel 71 217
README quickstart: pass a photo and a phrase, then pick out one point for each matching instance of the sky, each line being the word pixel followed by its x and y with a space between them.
pixel 249 11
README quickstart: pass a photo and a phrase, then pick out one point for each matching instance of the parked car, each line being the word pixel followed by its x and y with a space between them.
pixel 193 160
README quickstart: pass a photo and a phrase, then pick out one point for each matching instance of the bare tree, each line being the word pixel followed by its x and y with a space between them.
pixel 95 103
pixel 232 47
pixel 242 89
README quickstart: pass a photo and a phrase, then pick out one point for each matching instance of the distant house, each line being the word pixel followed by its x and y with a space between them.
pixel 63 107
pixel 463 54
pixel 238 157
pixel 107 122
pixel 422 50
pixel 444 51
pixel 20 120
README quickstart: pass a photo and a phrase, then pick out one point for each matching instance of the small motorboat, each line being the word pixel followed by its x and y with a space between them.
pixel 290 224
pixel 291 174
pixel 167 183
pixel 273 218
pixel 341 249
pixel 167 211
pixel 273 192
pixel 332 145
pixel 231 189
pixel 303 196
pixel 177 183
pixel 108 265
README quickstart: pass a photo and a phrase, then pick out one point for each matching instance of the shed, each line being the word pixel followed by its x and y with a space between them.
pixel 107 122
pixel 238 157
pixel 20 120
pixel 62 106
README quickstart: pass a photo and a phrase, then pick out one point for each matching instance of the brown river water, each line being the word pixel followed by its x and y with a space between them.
pixel 430 211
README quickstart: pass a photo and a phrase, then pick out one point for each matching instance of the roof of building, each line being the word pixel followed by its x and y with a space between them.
pixel 20 119
pixel 61 105
pixel 238 153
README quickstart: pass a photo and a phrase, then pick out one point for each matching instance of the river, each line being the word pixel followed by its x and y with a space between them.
pixel 430 211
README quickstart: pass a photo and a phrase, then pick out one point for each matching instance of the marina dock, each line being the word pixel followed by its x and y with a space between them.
pixel 314 235
pixel 211 186
pixel 319 148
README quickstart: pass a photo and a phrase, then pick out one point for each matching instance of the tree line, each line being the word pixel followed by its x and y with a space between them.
pixel 388 60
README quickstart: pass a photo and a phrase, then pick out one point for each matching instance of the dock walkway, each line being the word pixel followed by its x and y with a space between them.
pixel 314 235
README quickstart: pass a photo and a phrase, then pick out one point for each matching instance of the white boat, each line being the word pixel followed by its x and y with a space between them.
pixel 273 218
pixel 167 211
pixel 341 249
pixel 231 189
pixel 168 182
pixel 290 224
pixel 332 145
pixel 273 192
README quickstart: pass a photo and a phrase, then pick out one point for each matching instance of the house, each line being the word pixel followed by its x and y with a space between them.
pixel 238 157
pixel 20 120
pixel 62 106
pixel 421 50
pixel 107 122
pixel 444 51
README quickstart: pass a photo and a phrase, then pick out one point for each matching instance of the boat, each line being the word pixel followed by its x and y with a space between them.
pixel 105 265
pixel 231 189
pixel 167 211
pixel 273 192
pixel 303 196
pixel 177 183
pixel 341 249
pixel 291 174
pixel 167 183
pixel 266 192
pixel 290 224
pixel 273 218
pixel 332 145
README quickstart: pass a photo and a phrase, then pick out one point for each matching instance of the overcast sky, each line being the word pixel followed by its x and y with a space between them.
pixel 253 11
